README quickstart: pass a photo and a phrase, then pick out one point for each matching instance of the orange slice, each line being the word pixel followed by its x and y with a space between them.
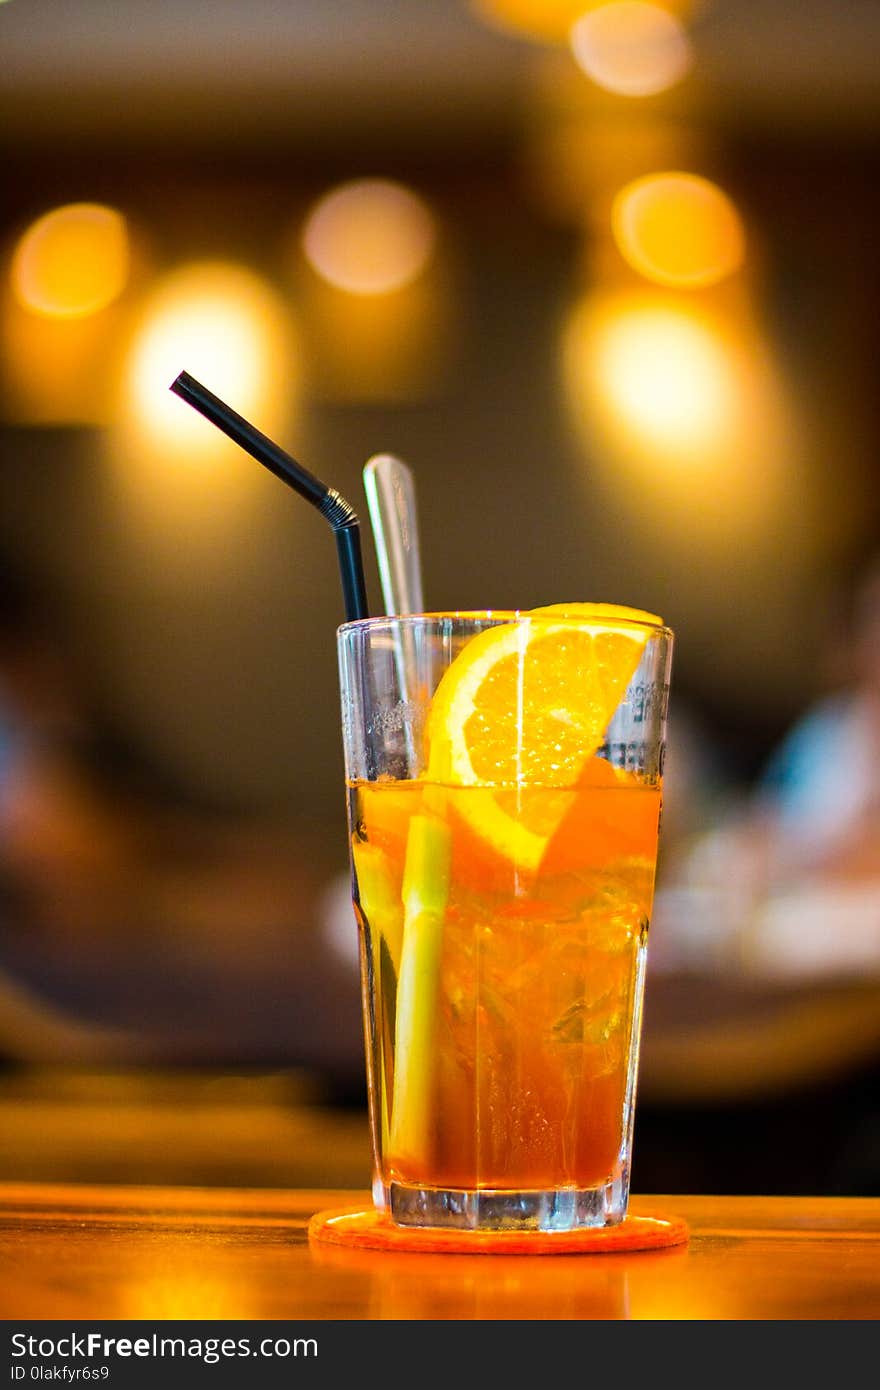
pixel 522 709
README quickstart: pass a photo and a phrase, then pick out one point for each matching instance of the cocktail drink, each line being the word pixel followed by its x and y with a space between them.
pixel 504 778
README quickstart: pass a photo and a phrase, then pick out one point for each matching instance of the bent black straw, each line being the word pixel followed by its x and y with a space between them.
pixel 333 507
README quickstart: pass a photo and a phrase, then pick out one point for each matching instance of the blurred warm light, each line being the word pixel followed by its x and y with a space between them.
pixel 665 378
pixel 683 412
pixel 225 325
pixel 72 261
pixel 582 144
pixel 61 368
pixel 381 319
pixel 678 229
pixel 369 237
pixel 631 48
pixel 183 493
pixel 549 21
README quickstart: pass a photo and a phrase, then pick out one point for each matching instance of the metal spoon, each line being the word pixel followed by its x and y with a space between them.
pixel 391 499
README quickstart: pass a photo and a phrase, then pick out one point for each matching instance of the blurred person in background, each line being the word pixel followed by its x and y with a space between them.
pixel 816 814
pixel 795 866
pixel 763 1013
pixel 819 793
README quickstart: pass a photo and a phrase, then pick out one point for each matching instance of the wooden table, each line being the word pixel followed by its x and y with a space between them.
pixel 78 1252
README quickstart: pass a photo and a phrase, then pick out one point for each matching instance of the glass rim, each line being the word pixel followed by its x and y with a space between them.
pixel 498 616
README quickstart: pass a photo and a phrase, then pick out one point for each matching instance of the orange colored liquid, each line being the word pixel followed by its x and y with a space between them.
pixel 537 997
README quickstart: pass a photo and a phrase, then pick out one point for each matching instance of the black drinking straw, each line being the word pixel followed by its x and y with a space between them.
pixel 341 515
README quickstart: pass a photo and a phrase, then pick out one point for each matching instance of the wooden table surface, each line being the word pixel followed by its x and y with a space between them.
pixel 154 1253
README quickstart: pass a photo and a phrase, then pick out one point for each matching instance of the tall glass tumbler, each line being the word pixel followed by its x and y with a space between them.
pixel 504 777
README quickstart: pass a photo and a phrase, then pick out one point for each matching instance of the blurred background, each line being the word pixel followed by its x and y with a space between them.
pixel 606 277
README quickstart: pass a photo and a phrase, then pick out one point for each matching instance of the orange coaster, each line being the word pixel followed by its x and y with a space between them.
pixel 373 1230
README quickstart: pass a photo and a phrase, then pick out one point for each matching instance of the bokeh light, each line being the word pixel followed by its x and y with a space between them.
pixel 631 48
pixel 665 379
pixel 369 237
pixel 678 229
pixel 226 325
pixel 71 262
pixel 182 493
pixel 682 409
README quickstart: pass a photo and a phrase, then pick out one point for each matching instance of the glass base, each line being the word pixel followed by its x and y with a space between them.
pixel 559 1209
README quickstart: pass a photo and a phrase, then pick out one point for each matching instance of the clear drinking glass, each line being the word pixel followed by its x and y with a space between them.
pixel 504 780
